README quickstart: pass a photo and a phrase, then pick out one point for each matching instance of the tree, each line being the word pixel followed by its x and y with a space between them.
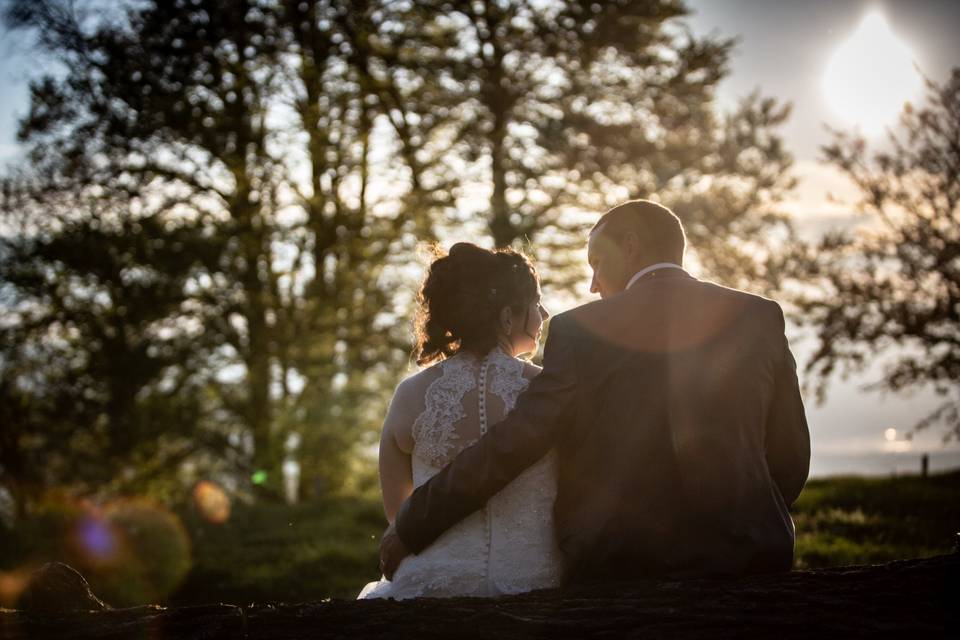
pixel 165 110
pixel 203 115
pixel 571 107
pixel 361 83
pixel 103 360
pixel 893 285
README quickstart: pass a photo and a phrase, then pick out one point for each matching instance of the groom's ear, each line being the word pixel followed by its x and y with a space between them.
pixel 631 244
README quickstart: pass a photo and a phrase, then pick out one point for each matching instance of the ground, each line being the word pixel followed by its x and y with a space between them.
pixel 327 548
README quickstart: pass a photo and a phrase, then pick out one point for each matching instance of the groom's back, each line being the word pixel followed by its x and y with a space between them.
pixel 688 441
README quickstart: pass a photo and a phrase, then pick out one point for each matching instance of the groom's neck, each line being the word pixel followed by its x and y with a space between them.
pixel 639 265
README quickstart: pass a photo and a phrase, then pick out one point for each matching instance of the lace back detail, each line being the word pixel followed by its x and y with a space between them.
pixel 507 379
pixel 433 430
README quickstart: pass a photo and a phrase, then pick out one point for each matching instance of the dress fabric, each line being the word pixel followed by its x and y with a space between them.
pixel 509 546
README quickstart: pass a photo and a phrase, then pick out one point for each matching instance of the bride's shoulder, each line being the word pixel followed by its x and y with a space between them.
pixel 530 370
pixel 416 384
pixel 408 402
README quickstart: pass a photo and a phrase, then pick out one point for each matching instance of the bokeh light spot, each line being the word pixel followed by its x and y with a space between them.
pixel 211 502
pixel 259 477
pixel 12 584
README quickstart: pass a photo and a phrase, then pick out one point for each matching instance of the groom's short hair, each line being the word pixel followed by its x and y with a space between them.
pixel 659 229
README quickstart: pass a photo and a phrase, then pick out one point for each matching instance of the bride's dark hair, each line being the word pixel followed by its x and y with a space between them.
pixel 462 296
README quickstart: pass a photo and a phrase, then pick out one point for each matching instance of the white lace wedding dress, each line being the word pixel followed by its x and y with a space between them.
pixel 509 546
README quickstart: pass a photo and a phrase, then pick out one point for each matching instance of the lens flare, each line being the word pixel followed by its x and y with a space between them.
pixel 133 550
pixel 156 556
pixel 211 502
pixel 96 540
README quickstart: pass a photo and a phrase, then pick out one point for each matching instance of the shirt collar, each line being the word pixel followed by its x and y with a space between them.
pixel 651 269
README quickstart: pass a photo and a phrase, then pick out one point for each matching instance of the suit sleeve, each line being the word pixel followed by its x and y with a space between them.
pixel 787 435
pixel 509 447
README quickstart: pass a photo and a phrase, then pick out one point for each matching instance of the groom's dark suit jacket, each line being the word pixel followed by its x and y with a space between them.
pixel 682 442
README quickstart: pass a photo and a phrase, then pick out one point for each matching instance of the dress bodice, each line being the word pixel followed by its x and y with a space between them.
pixel 456 413
pixel 508 546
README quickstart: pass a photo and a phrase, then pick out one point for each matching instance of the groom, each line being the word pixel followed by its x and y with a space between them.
pixel 674 407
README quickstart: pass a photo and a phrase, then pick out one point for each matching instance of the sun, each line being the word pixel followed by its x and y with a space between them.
pixel 870 76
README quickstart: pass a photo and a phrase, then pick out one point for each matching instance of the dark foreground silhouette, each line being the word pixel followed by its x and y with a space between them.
pixel 915 598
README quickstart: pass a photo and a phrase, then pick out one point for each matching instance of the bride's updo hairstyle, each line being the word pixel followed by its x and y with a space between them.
pixel 462 297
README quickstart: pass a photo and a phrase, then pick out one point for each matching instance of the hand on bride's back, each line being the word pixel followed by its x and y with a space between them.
pixel 392 552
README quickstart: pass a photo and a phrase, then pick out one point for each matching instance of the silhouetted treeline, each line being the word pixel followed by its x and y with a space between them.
pixel 211 244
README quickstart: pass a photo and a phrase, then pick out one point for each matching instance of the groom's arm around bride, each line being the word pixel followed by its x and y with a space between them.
pixel 509 447
pixel 676 414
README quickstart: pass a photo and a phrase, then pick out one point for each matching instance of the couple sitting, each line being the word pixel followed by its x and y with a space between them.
pixel 664 437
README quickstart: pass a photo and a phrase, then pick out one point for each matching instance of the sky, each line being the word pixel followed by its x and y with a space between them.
pixel 786 50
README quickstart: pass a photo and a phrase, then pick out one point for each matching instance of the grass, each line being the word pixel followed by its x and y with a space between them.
pixel 328 548
pixel 853 520
pixel 287 553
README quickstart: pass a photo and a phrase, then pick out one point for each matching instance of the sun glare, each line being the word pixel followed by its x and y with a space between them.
pixel 870 76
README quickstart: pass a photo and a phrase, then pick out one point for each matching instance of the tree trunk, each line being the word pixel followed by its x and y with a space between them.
pixel 500 226
pixel 259 414
pixel 252 225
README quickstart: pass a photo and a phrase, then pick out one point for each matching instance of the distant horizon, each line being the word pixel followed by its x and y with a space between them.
pixel 880 464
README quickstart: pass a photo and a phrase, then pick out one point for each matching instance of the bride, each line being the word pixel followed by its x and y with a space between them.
pixel 479 311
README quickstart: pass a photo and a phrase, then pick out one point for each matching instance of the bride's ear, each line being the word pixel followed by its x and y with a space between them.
pixel 506 320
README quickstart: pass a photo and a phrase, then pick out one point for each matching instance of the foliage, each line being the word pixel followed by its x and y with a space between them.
pixel 169 116
pixel 570 107
pixel 894 282
pixel 103 363
pixel 295 554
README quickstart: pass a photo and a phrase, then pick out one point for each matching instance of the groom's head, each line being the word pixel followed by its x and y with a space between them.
pixel 629 237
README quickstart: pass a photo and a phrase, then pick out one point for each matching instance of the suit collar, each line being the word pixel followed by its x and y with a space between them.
pixel 658 271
